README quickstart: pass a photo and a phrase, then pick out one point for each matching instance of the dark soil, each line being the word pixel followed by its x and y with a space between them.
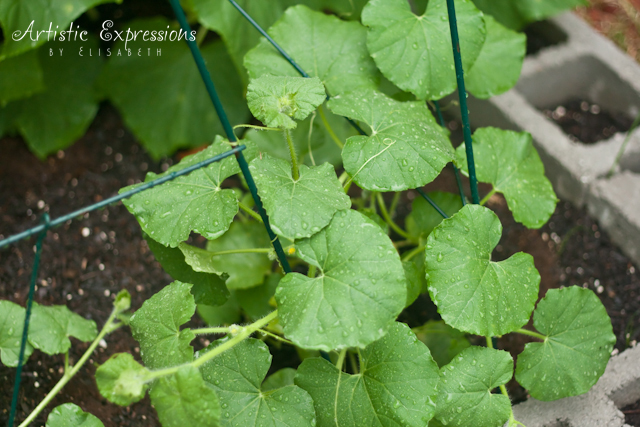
pixel 541 35
pixel 585 122
pixel 85 272
pixel 632 414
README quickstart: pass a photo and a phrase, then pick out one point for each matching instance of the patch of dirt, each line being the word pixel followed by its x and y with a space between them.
pixel 632 414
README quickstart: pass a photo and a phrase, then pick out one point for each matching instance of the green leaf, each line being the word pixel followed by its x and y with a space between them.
pixel 226 314
pixel 207 288
pixel 70 415
pixel 156 326
pixel 406 149
pixel 578 345
pixel 414 282
pixel 396 385
pixel 184 399
pixel 281 378
pixel 444 342
pixel 51 327
pixel 298 209
pixel 122 380
pixel 16 17
pixel 52 120
pixel 360 290
pixel 193 202
pixel 414 52
pixel 424 218
pixel 162 97
pixel 245 270
pixel 276 101
pixel 498 67
pixel 504 11
pixel 538 10
pixel 255 301
pixel 11 327
pixel 464 392
pixel 323 45
pixel 20 77
pixel 473 293
pixel 236 376
pixel 508 161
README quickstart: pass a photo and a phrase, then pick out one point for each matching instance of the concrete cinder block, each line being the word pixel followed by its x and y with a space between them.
pixel 619 386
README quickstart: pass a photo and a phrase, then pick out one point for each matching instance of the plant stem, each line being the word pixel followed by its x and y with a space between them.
pixel 486 198
pixel 343 177
pixel 489 342
pixel 277 337
pixel 340 362
pixel 294 157
pixel 403 243
pixel 623 147
pixel 68 374
pixel 531 334
pixel 394 203
pixel 242 251
pixel 387 218
pixel 354 364
pixel 243 333
pixel 206 331
pixel 256 127
pixel 409 255
pixel 312 271
pixel 327 126
pixel 250 211
pixel 201 35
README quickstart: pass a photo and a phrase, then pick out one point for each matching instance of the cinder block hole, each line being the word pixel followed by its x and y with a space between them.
pixel 559 423
pixel 582 95
pixel 630 162
pixel 543 34
pixel 632 414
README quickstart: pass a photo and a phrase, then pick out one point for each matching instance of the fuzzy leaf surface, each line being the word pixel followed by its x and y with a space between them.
pixel 184 399
pixel 194 202
pixel 121 380
pixel 424 218
pixel 11 327
pixel 324 46
pixel 473 293
pixel 464 392
pixel 51 327
pixel 414 52
pixel 406 149
pixel 156 326
pixel 70 415
pixel 360 290
pixel 396 385
pixel 298 209
pixel 236 376
pixel 577 349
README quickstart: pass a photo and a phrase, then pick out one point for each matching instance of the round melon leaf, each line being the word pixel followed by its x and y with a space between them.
pixel 122 380
pixel 51 327
pixel 11 327
pixel 70 415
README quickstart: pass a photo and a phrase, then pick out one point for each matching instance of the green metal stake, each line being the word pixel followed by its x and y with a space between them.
pixel 27 318
pixel 228 129
pixel 462 95
pixel 455 169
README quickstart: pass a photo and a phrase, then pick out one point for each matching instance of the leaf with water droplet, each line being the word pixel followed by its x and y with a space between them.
pixel 193 202
pixel 298 209
pixel 424 218
pixel 406 149
pixel 70 415
pixel 237 374
pixel 394 32
pixel 184 399
pixel 354 284
pixel 444 341
pixel 51 327
pixel 578 345
pixel 473 293
pixel 156 326
pixel 11 327
pixel 122 380
pixel 396 385
pixel 509 161
pixel 465 398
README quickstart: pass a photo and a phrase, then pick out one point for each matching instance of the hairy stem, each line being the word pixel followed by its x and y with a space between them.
pixel 531 334
pixel 327 126
pixel 294 157
pixel 387 218
pixel 486 198
pixel 275 336
pixel 206 331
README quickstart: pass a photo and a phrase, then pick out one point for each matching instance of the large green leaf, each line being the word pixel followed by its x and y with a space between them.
pixel 156 326
pixel 276 101
pixel 414 282
pixel 577 348
pixel 11 327
pixel 184 399
pixel 298 208
pixel 256 302
pixel 245 270
pixel 473 293
pixel 509 161
pixel 424 218
pixel 70 415
pixel 236 376
pixel 323 45
pixel 464 393
pixel 406 149
pixel 122 380
pixel 193 202
pixel 22 20
pixel 414 52
pixel 443 341
pixel 515 14
pixel 396 385
pixel 162 97
pixel 498 67
pixel 361 288
pixel 51 327
pixel 53 119
pixel 20 77
pixel 207 289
